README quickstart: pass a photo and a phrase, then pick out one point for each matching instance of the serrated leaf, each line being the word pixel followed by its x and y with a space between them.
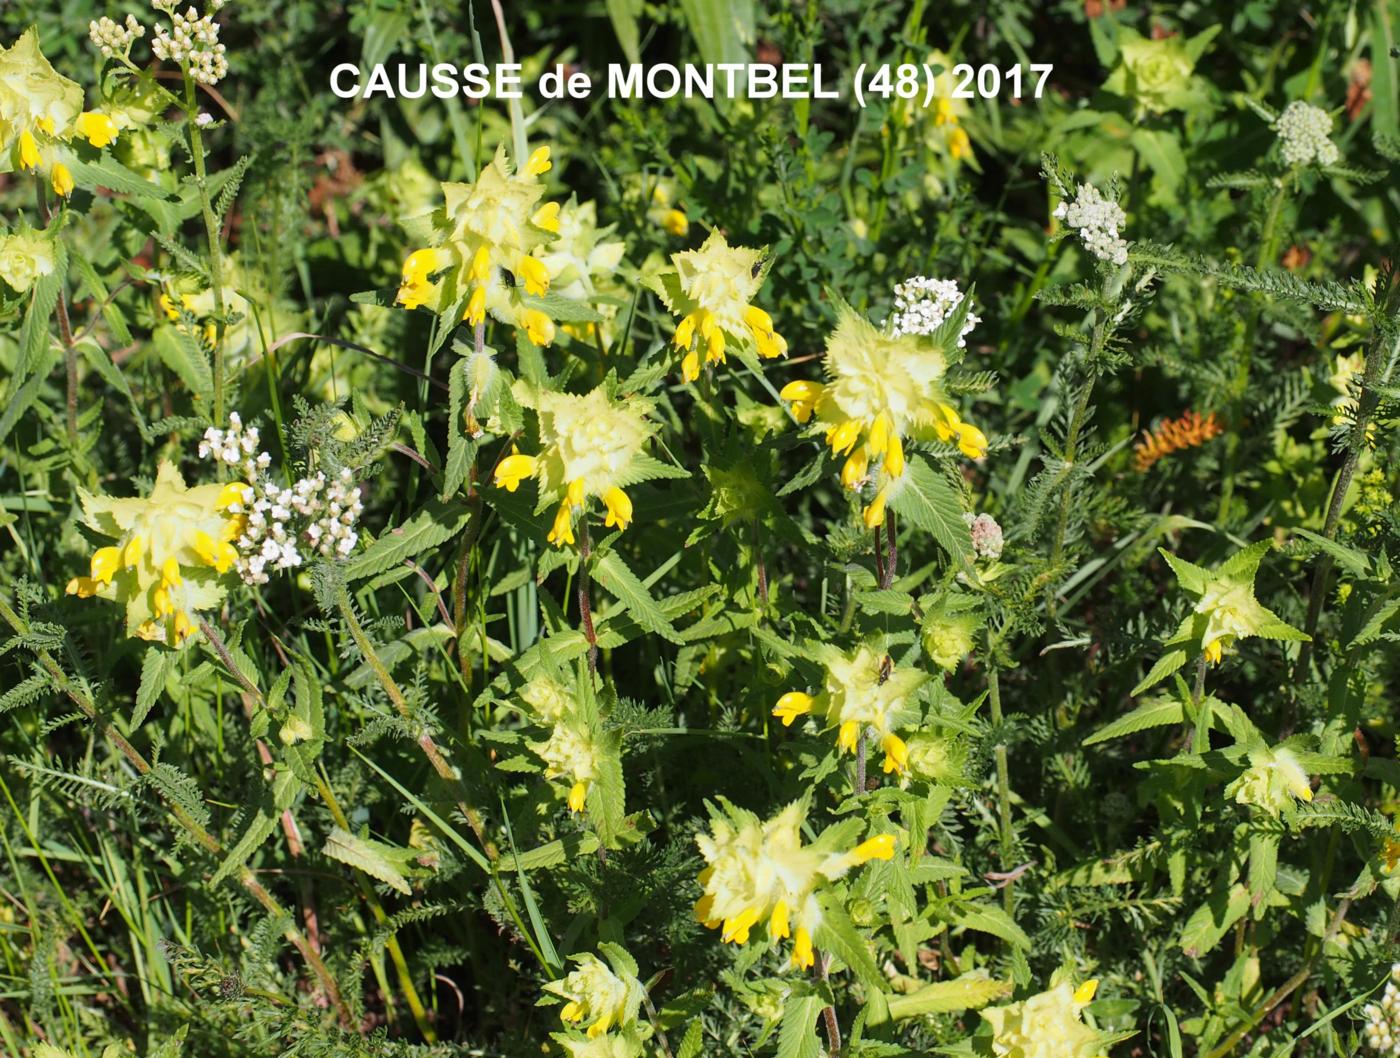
pixel 377 859
pixel 797 1038
pixel 1159 712
pixel 435 524
pixel 970 992
pixel 929 501
pixel 156 667
pixel 1210 922
pixel 838 935
pixel 987 918
pixel 617 577
pixel 263 824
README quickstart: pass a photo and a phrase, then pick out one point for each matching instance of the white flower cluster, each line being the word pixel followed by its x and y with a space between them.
pixel 1382 1030
pixel 235 447
pixel 1096 220
pixel 922 304
pixel 110 38
pixel 192 39
pixel 316 513
pixel 1304 133
pixel 986 535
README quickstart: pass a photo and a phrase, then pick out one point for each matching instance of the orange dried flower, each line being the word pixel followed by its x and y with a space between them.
pixel 1172 435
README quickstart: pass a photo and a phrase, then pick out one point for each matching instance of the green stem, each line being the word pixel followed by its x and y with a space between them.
pixel 211 231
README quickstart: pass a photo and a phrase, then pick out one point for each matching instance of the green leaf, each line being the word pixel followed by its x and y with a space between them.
pixel 624 15
pixel 1158 712
pixel 156 668
pixel 838 935
pixel 932 504
pixel 615 575
pixel 988 918
pixel 969 992
pixel 183 354
pixel 262 826
pixel 377 859
pixel 722 28
pixel 1263 866
pixel 798 1036
pixel 1350 559
pixel 435 524
pixel 1210 922
pixel 1161 150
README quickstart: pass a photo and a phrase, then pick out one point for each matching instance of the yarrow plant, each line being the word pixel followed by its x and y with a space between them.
pixel 1304 135
pixel 1097 221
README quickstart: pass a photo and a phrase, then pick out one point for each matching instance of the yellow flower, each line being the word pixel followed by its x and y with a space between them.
pixel 759 872
pixel 600 996
pixel 172 548
pixel 1047 1025
pixel 591 446
pixel 97 128
pixel 881 389
pixel 28 151
pixel 675 222
pixel 62 180
pixel 860 692
pixel 488 235
pixel 712 291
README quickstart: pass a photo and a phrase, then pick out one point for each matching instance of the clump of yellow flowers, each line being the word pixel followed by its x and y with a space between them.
pixel 760 871
pixel 486 229
pixel 172 548
pixel 712 291
pixel 861 691
pixel 1048 1025
pixel 882 388
pixel 40 110
pixel 590 446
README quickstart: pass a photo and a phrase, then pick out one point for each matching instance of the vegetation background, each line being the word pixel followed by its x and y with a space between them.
pixel 324 827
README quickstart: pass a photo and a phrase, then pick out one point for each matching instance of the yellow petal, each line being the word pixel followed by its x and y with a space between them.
pixel 972 442
pixel 105 562
pixel 563 531
pixel 1213 651
pixel 578 794
pixel 170 573
pixel 533 274
pixel 132 552
pixel 538 162
pixel 619 507
pixel 880 847
pixel 792 705
pixel 894 456
pixel 843 437
pixel 875 513
pixel 802 956
pixel 848 735
pixel 714 352
pixel 184 627
pixel 82 587
pixel 514 469
pixel 62 180
pixel 547 217
pixel 675 222
pixel 778 924
pixel 539 328
pixel 28 151
pixel 854 470
pixel 577 492
pixel 757 319
pixel 690 366
pixel 480 270
pixel 879 436
pixel 97 128
pixel 476 307
pixel 685 332
pixel 896 753
pixel 1085 992
pixel 736 929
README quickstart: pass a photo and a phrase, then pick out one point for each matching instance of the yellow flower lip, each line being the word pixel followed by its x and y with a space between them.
pixel 62 180
pixel 619 506
pixel 538 162
pixel 539 328
pixel 513 469
pixel 534 275
pixel 1085 992
pixel 97 128
pixel 792 705
pixel 880 847
pixel 28 151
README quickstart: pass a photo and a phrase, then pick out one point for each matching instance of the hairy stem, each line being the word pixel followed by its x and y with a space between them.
pixel 585 595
